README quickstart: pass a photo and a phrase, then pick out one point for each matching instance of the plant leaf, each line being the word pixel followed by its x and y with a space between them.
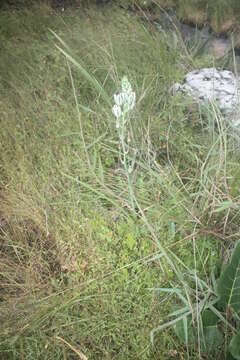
pixel 98 87
pixel 213 337
pixel 184 330
pixel 234 346
pixel 100 169
pixel 229 283
pixel 209 318
pixel 229 356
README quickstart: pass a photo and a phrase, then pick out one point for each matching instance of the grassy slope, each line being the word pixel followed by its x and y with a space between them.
pixel 75 264
pixel 222 16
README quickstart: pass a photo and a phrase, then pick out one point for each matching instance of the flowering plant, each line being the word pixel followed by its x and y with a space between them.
pixel 124 103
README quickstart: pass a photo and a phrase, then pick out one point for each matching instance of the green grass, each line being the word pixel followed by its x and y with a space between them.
pixel 222 16
pixel 76 265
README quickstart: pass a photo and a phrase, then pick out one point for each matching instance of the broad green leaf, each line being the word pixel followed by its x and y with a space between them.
pixel 234 346
pixel 209 318
pixel 229 356
pixel 229 283
pixel 220 316
pixel 213 337
pixel 184 330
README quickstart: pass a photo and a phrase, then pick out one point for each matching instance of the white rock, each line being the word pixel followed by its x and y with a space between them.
pixel 217 86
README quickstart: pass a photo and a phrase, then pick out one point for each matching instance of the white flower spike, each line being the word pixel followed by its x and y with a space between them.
pixel 124 101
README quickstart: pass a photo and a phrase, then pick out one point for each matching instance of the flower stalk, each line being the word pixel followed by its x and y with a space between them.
pixel 124 103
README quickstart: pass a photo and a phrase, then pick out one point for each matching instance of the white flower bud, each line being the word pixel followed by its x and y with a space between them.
pixel 117 112
pixel 126 86
pixel 118 99
pixel 131 100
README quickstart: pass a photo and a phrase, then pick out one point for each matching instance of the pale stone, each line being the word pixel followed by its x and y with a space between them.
pixel 220 87
pixel 217 86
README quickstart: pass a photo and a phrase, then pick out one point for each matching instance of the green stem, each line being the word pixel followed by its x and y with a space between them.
pixel 125 164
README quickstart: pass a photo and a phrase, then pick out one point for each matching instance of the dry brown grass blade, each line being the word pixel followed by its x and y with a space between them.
pixel 78 352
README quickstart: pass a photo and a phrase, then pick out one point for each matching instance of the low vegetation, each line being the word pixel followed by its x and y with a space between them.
pixel 222 16
pixel 98 262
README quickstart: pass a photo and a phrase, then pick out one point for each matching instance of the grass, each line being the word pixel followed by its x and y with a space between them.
pixel 77 267
pixel 221 15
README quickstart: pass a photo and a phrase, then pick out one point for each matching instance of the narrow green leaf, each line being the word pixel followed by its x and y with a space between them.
pixel 166 325
pixel 229 283
pixel 94 160
pixel 92 189
pixel 100 170
pixel 98 87
pixel 220 316
pixel 60 40
pixel 185 329
pixel 96 141
pixel 224 206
